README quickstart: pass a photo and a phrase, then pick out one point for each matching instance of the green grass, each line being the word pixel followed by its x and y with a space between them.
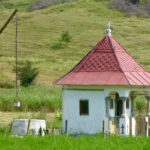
pixel 86 22
pixel 21 4
pixel 38 35
pixel 33 98
pixel 53 119
pixel 63 142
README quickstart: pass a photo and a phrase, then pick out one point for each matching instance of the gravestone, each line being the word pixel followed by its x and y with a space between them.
pixel 49 131
pixel 56 132
pixel 20 127
pixel 37 127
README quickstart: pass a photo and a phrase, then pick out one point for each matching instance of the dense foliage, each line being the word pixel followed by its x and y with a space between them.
pixel 140 104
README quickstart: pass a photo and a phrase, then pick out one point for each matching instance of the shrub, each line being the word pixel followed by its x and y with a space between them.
pixel 62 42
pixel 140 104
pixel 27 73
pixel 65 37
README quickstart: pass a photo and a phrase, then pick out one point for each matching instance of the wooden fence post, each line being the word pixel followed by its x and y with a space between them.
pixel 104 128
pixel 66 127
pixel 131 126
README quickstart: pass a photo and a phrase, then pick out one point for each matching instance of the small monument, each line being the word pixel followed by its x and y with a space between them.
pixel 22 127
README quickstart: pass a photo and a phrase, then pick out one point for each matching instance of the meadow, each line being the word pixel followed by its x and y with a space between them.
pixel 86 21
pixel 33 98
pixel 63 142
pixel 39 34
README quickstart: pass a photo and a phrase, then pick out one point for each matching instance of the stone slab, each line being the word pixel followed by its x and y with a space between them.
pixel 35 125
pixel 20 127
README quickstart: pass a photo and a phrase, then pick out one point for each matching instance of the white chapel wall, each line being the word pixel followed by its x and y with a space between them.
pixel 92 123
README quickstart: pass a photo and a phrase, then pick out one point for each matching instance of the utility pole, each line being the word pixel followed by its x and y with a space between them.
pixel 16 56
pixel 8 20
pixel 17 102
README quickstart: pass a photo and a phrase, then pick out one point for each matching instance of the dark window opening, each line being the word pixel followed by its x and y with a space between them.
pixel 127 104
pixel 84 107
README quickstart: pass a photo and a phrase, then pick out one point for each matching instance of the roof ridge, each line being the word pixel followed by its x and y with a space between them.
pixel 117 60
pixel 130 55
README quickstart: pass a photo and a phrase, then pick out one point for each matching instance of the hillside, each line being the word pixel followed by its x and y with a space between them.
pixel 85 20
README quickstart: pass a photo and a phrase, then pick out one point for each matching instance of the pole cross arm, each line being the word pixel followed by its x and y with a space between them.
pixel 7 22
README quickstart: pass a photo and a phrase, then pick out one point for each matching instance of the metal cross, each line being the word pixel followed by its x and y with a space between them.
pixel 122 127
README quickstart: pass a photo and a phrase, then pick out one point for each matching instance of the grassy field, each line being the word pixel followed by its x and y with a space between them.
pixel 33 98
pixel 40 30
pixel 85 20
pixel 53 120
pixel 73 143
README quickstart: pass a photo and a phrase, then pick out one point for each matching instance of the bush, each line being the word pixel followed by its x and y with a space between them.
pixel 62 42
pixel 65 37
pixel 27 73
pixel 140 104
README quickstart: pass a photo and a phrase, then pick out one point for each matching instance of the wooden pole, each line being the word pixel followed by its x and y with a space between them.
pixel 130 126
pixel 66 127
pixel 7 22
pixel 28 130
pixel 104 128
pixel 16 57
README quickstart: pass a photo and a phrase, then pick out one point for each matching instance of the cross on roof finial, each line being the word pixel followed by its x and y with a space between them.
pixel 108 31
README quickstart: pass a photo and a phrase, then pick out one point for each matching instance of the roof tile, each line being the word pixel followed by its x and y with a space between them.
pixel 108 63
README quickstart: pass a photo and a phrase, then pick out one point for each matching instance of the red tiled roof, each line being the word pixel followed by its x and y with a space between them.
pixel 108 63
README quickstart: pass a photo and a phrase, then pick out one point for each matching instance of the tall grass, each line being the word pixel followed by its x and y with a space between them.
pixel 63 142
pixel 33 98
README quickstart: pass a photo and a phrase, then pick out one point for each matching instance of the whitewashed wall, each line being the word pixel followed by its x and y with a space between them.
pixel 92 123
pixel 77 123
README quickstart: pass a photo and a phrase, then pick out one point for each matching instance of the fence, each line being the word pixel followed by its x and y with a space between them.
pixel 142 125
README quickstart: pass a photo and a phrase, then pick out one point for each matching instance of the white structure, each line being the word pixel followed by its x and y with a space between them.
pixel 22 127
pixel 99 92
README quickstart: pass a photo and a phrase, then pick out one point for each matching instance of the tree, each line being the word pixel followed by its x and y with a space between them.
pixel 27 73
pixel 140 104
